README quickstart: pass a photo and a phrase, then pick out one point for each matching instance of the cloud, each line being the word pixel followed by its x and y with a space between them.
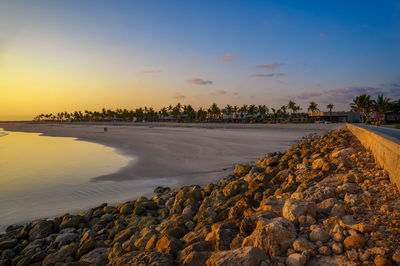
pixel 308 95
pixel 198 81
pixel 222 92
pixel 179 96
pixel 270 66
pixel 150 71
pixel 322 36
pixel 262 75
pixel 227 58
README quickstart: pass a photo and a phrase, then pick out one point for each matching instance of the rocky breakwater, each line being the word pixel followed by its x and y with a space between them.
pixel 322 202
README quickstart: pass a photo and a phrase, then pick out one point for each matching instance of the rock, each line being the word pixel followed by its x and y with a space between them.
pixel 168 244
pixel 318 164
pixel 296 259
pixel 70 221
pixel 66 238
pixel 293 209
pixel 382 261
pixel 302 244
pixel 324 250
pixel 222 235
pixel 319 234
pixel 161 190
pixel 342 153
pixel 85 247
pixel 41 229
pixel 352 254
pixel 354 241
pixel 337 248
pixel 241 170
pixel 274 236
pixel 247 256
pixel 349 188
pixel 334 260
pixel 61 255
pixel 196 258
pixel 273 205
pixel 10 243
pixel 337 211
pixel 234 188
pixel 143 258
pixel 363 227
pixel 126 208
pixel 98 256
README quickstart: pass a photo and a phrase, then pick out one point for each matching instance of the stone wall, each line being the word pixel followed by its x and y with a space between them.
pixel 386 150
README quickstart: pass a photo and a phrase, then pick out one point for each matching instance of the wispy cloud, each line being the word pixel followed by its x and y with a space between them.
pixel 198 81
pixel 262 75
pixel 150 71
pixel 322 36
pixel 270 66
pixel 308 95
pixel 222 92
pixel 179 96
pixel 227 58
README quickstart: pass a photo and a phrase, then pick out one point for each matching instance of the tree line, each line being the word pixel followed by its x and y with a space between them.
pixel 179 112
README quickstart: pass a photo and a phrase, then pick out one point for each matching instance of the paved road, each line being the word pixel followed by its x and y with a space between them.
pixel 393 132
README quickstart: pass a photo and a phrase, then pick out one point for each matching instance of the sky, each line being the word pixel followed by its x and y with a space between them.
pixel 85 55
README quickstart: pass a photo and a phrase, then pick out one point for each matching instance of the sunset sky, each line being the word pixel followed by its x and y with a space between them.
pixel 75 55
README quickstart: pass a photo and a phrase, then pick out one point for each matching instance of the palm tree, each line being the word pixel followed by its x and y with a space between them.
pixel 214 110
pixel 362 104
pixel 262 109
pixel 292 106
pixel 381 105
pixel 201 114
pixel 313 107
pixel 330 107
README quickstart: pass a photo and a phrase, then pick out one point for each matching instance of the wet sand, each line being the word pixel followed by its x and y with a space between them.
pixel 185 153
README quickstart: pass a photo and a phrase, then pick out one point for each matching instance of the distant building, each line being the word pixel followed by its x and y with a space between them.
pixel 336 117
pixel 392 117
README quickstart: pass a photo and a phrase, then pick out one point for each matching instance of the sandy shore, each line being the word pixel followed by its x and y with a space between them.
pixel 188 153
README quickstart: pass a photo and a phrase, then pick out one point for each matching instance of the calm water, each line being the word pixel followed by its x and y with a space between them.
pixel 46 176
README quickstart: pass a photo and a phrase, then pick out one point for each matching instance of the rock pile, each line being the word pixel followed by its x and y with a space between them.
pixel 322 202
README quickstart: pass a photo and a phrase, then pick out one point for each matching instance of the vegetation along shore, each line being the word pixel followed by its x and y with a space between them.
pixel 362 104
pixel 311 204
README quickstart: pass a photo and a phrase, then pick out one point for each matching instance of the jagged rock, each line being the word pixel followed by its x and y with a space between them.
pixel 222 234
pixel 41 229
pixel 61 255
pixel 70 221
pixel 247 256
pixel 241 170
pixel 168 244
pixel 337 248
pixel 293 209
pixel 196 258
pixel 126 208
pixel 274 236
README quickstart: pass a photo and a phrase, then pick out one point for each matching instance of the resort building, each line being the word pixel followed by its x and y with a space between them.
pixel 335 117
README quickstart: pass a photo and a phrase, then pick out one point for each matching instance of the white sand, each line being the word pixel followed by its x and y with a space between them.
pixel 186 153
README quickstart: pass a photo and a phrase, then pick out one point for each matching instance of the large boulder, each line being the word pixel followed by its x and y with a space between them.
pixel 41 229
pixel 247 256
pixel 296 259
pixel 222 235
pixel 169 244
pixel 293 209
pixel 65 253
pixel 274 236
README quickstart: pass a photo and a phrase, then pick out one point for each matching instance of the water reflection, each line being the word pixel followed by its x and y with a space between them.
pixel 44 176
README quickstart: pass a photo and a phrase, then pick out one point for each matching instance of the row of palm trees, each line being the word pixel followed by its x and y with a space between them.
pixel 291 111
pixel 183 112
pixel 366 106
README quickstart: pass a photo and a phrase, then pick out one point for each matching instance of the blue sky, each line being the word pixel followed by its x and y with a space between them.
pixel 239 52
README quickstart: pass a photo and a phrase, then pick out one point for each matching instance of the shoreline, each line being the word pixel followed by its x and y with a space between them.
pixel 139 152
pixel 311 204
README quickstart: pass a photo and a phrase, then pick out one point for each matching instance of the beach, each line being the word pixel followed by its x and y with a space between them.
pixel 187 153
pixel 311 204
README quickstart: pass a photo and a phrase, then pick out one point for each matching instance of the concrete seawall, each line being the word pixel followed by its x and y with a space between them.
pixel 385 149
